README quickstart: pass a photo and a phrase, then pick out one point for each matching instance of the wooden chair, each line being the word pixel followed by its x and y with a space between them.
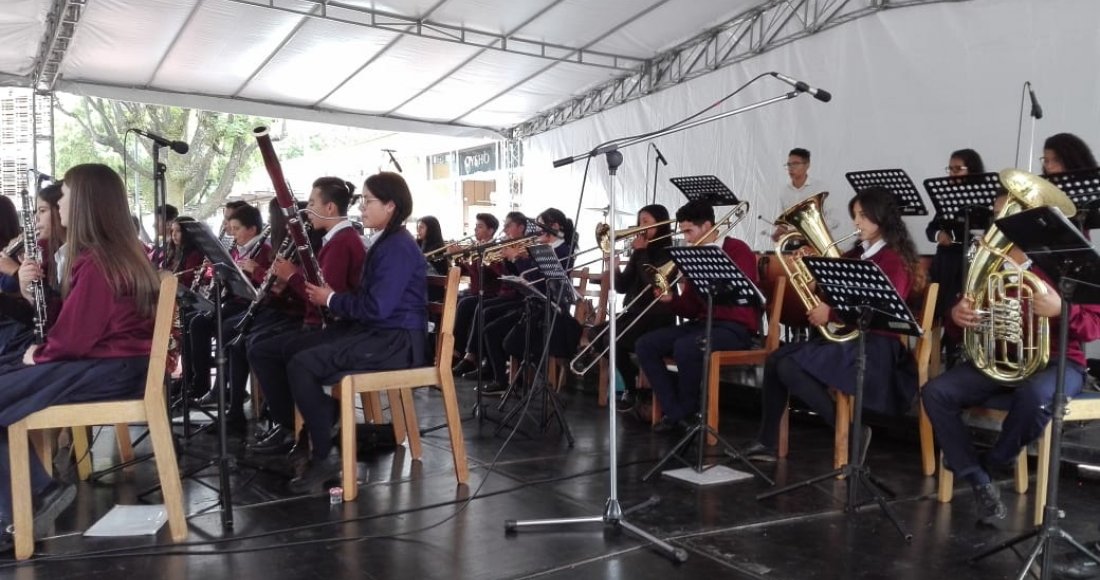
pixel 151 409
pixel 1083 407
pixel 921 352
pixel 403 382
pixel 719 359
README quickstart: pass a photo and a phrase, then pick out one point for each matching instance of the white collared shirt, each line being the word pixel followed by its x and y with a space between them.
pixel 340 225
pixel 874 249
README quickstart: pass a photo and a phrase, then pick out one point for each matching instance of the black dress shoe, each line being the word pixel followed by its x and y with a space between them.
pixel 988 504
pixel 493 389
pixel 277 443
pixel 49 503
pixel 210 399
pixel 626 402
pixel 317 474
pixel 757 451
pixel 666 425
pixel 464 366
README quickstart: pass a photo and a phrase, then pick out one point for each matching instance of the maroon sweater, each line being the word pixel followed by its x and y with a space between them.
pixel 341 260
pixel 493 273
pixel 263 260
pixel 94 322
pixel 691 305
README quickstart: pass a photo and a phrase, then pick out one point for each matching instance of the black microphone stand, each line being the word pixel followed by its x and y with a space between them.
pixel 656 169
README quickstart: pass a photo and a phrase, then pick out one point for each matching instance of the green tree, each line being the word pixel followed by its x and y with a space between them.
pixel 221 147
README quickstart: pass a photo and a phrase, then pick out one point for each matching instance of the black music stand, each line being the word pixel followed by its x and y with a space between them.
pixel 1083 189
pixel 1052 242
pixel 861 294
pixel 713 274
pixel 897 181
pixel 707 188
pixel 559 294
pixel 227 275
pixel 966 199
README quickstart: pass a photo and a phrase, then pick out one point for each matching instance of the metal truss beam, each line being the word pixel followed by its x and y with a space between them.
pixel 769 25
pixel 433 30
pixel 60 26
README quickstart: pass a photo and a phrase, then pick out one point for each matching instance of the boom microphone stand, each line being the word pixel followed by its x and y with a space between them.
pixel 613 512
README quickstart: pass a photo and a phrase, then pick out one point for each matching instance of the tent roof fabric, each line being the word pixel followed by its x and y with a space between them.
pixel 451 66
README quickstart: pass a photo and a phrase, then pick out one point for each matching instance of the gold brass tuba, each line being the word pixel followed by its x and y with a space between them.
pixel 1006 346
pixel 809 224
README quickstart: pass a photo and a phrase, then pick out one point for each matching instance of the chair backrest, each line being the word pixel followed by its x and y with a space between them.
pixel 923 349
pixel 604 294
pixel 775 313
pixel 445 340
pixel 162 332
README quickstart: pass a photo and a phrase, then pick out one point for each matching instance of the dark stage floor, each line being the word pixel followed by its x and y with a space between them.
pixel 411 521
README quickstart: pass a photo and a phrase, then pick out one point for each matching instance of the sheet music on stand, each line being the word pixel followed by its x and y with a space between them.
pixel 956 197
pixel 710 269
pixel 1083 189
pixel 550 267
pixel 706 188
pixel 232 276
pixel 897 181
pixel 1050 240
pixel 850 285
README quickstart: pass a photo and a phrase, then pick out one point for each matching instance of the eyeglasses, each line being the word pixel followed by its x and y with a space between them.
pixel 793 164
pixel 365 201
pixel 955 168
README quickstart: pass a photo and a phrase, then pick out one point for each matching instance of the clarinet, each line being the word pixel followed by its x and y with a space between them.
pixel 285 251
pixel 31 252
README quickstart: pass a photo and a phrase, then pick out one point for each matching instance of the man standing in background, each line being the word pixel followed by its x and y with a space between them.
pixel 799 188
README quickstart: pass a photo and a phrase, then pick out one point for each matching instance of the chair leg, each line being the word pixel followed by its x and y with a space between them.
pixel 21 495
pixel 397 415
pixel 82 454
pixel 712 398
pixel 784 433
pixel 348 450
pixel 843 430
pixel 454 425
pixel 125 443
pixel 927 443
pixel 1042 469
pixel 1021 478
pixel 375 408
pixel 164 453
pixel 257 396
pixel 946 484
pixel 412 426
pixel 44 444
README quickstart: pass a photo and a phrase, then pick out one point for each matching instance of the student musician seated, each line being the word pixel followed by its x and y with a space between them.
pixel 98 349
pixel 556 230
pixel 16 313
pixel 632 281
pixel 1030 400
pixel 484 232
pixel 732 328
pixel 807 370
pixel 379 323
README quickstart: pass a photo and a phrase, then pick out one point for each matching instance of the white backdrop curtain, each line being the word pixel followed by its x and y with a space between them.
pixel 909 87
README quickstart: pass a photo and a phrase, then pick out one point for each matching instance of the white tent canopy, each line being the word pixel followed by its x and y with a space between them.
pixel 453 66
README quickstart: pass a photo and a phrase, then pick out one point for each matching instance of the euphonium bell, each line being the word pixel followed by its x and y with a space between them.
pixel 1006 345
pixel 809 224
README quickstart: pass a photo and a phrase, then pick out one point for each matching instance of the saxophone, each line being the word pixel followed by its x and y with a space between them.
pixel 1005 345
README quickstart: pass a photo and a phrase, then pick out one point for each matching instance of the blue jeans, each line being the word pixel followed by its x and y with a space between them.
pixel 1029 406
pixel 679 396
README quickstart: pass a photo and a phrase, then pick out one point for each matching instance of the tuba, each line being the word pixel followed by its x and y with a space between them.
pixel 1005 345
pixel 809 224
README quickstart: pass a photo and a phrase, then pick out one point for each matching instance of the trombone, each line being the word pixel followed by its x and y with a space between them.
pixel 663 282
pixel 603 242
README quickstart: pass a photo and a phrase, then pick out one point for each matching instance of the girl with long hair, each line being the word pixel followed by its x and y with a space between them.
pixel 807 370
pixel 99 346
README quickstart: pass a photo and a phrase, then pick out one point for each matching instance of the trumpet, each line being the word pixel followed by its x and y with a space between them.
pixel 494 254
pixel 661 280
pixel 462 244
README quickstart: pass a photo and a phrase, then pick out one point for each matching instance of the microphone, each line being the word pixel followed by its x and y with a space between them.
pixel 660 157
pixel 800 86
pixel 393 160
pixel 177 146
pixel 1036 110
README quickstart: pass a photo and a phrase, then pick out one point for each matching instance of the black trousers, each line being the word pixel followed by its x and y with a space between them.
pixel 625 341
pixel 267 322
pixel 783 378
pixel 200 333
pixel 294 367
